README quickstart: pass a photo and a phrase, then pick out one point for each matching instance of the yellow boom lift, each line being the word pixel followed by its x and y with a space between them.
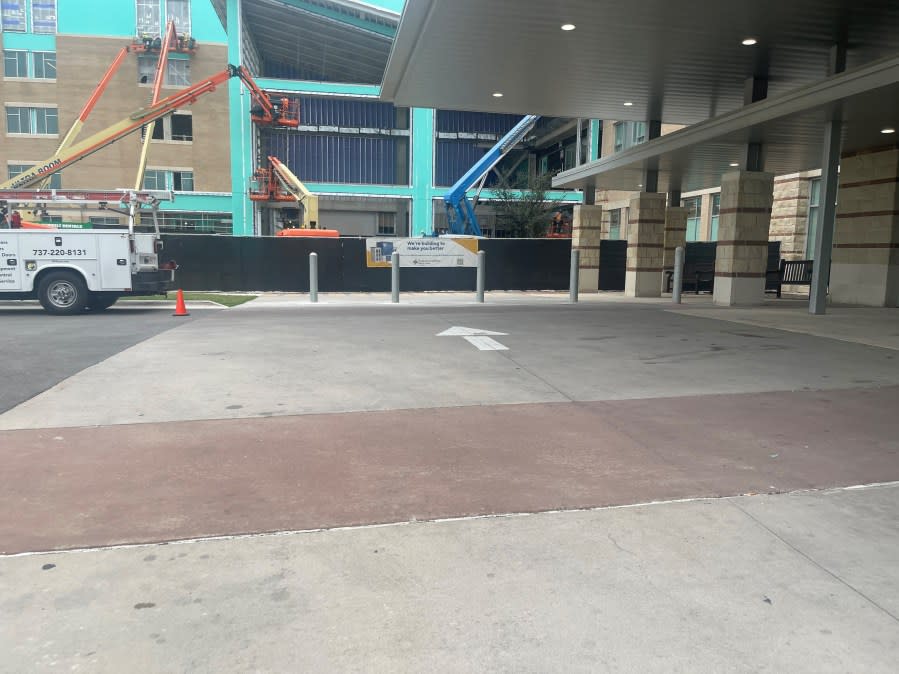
pixel 277 183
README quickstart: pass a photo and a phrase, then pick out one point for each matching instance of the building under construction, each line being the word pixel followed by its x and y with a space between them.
pixel 373 167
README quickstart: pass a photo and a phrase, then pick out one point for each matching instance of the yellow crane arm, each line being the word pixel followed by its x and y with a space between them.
pixel 295 186
pixel 161 68
pixel 77 125
pixel 111 134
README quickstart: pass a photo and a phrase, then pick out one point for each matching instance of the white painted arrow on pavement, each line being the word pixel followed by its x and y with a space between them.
pixel 476 337
pixel 459 331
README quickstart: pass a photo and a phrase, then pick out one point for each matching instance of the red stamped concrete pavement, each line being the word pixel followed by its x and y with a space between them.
pixel 79 487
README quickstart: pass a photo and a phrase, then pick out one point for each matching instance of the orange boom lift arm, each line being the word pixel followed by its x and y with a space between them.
pixel 284 113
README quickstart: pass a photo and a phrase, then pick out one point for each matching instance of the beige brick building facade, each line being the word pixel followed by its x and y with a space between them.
pixel 201 151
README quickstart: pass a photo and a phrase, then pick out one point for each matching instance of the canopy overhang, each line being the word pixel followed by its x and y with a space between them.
pixel 678 63
pixel 789 129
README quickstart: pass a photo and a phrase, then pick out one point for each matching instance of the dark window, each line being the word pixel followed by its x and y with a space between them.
pixel 183 181
pixel 182 127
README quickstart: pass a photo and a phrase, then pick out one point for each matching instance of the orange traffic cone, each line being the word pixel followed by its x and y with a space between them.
pixel 180 309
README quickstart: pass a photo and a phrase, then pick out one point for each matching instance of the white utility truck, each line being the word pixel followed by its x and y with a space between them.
pixel 74 270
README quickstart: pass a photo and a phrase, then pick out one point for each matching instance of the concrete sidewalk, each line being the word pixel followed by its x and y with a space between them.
pixel 862 325
pixel 277 416
pixel 794 583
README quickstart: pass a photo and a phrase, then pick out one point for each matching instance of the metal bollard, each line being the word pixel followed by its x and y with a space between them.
pixel 313 277
pixel 574 277
pixel 678 280
pixel 395 277
pixel 482 276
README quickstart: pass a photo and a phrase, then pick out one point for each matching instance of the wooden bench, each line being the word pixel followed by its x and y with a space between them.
pixel 792 273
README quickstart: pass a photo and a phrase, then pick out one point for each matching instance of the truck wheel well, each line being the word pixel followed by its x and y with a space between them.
pixel 49 270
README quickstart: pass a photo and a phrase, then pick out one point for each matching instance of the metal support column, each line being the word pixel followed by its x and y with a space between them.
pixel 826 218
pixel 830 164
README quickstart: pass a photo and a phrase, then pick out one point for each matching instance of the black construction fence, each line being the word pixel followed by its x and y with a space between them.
pixel 210 262
pixel 225 263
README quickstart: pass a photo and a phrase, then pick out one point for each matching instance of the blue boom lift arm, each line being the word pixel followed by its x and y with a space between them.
pixel 459 210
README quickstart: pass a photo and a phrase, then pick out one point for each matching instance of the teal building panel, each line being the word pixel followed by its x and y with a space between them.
pixel 198 202
pixel 392 5
pixel 422 171
pixel 118 18
pixel 29 42
pixel 108 18
pixel 205 24
pixel 307 87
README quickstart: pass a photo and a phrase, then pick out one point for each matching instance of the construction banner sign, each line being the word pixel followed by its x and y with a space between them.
pixel 423 252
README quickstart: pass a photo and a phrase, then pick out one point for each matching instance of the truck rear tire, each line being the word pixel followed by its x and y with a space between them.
pixel 63 293
pixel 101 301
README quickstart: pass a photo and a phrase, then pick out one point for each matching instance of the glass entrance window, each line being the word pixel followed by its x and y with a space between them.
pixel 615 224
pixel 715 210
pixel 694 216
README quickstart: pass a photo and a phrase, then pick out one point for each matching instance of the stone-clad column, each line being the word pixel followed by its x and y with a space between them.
pixel 741 258
pixel 865 264
pixel 586 231
pixel 789 216
pixel 675 235
pixel 645 245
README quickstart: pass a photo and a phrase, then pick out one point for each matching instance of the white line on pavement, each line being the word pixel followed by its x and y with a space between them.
pixel 484 343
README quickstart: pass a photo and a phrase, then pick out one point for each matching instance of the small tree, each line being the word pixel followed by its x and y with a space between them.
pixel 524 213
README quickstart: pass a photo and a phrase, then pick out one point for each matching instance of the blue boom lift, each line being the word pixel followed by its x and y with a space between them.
pixel 459 210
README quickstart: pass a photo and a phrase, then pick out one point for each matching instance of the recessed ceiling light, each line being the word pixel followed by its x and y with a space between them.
pixel 568 26
pixel 749 41
pixel 889 129
pixel 628 104
pixel 733 163
pixel 497 94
